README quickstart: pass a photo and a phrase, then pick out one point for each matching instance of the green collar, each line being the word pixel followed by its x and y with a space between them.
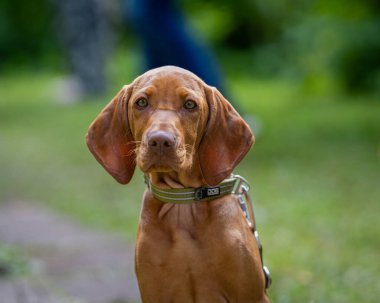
pixel 191 195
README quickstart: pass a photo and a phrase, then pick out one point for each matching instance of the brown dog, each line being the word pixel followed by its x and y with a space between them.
pixel 182 134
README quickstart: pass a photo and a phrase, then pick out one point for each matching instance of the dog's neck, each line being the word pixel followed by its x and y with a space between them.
pixel 177 216
pixel 173 179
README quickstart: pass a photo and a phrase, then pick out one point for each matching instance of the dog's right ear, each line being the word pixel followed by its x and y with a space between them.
pixel 110 140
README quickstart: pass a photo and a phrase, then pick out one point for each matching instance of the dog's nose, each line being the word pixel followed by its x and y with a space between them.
pixel 161 140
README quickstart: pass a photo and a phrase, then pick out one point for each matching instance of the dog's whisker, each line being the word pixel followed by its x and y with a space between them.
pixel 189 149
pixel 130 153
pixel 137 143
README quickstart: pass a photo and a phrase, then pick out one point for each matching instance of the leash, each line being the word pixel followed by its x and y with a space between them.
pixel 235 185
pixel 246 204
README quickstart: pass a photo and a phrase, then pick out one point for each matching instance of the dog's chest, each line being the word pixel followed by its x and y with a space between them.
pixel 195 256
pixel 181 238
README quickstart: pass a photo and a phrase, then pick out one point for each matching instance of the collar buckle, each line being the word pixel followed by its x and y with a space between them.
pixel 241 185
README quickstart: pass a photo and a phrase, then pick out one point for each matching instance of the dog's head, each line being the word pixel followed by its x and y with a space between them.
pixel 169 120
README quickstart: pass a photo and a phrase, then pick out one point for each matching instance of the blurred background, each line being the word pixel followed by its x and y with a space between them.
pixel 305 74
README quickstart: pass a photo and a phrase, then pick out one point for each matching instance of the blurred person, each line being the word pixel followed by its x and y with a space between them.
pixel 167 39
pixel 83 30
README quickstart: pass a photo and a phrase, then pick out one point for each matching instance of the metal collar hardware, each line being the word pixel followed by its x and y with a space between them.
pixel 242 191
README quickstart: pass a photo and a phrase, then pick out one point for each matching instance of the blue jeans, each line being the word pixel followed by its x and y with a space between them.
pixel 168 40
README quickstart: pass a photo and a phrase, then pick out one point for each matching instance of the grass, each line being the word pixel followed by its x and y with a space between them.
pixel 12 262
pixel 315 172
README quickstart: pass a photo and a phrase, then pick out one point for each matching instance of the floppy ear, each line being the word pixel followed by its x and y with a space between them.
pixel 110 140
pixel 226 140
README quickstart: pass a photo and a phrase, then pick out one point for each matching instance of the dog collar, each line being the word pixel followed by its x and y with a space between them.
pixel 191 195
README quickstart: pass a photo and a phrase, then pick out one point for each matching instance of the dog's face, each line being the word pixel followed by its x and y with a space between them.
pixel 167 114
pixel 169 120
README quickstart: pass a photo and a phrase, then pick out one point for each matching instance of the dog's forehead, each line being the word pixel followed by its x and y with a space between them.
pixel 169 78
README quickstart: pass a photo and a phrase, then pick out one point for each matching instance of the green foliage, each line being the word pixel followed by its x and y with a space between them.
pixel 26 32
pixel 344 52
pixel 359 61
pixel 322 43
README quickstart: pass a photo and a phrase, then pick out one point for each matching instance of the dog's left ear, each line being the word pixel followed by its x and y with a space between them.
pixel 226 140
pixel 110 140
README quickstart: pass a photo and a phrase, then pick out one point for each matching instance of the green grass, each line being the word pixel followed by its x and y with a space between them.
pixel 13 263
pixel 315 172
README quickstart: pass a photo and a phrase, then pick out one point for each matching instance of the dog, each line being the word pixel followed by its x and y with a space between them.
pixel 186 138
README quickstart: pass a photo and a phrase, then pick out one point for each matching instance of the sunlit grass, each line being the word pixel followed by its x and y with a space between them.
pixel 315 173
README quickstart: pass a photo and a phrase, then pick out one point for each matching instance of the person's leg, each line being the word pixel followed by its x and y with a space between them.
pixel 168 40
pixel 82 31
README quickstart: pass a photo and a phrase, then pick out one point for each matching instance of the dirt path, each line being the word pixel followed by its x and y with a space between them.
pixel 73 263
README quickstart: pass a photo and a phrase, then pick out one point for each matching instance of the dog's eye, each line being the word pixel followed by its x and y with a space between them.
pixel 190 105
pixel 142 103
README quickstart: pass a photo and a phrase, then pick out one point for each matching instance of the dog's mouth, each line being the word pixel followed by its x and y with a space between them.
pixel 149 160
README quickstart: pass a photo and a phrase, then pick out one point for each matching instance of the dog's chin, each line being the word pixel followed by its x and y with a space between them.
pixel 149 162
pixel 160 166
pixel 159 169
